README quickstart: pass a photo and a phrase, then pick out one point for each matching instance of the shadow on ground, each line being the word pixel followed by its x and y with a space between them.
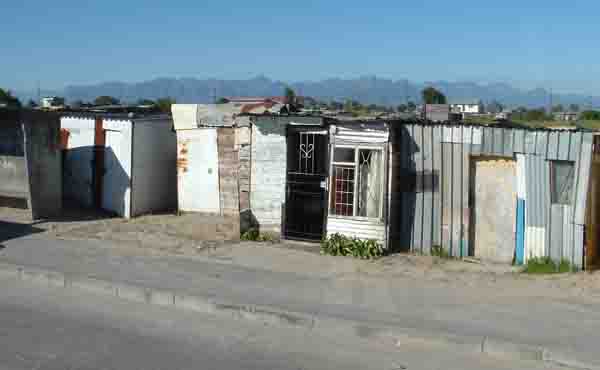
pixel 13 230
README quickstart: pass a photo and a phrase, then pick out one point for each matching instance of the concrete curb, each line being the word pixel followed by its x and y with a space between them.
pixel 269 315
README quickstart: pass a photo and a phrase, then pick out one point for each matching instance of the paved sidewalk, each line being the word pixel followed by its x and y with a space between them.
pixel 525 310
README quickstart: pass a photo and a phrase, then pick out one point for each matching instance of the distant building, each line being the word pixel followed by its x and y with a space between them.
pixel 437 112
pixel 52 102
pixel 503 116
pixel 467 107
pixel 257 100
pixel 566 116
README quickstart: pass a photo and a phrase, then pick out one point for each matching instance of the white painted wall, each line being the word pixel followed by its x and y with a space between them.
pixel 78 165
pixel 154 171
pixel 198 171
pixel 268 176
pixel 116 185
pixel 466 108
pixel 353 228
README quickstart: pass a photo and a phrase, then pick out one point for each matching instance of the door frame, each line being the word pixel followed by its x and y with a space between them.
pixel 324 177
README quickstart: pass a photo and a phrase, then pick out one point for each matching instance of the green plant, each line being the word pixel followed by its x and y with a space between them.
pixel 545 265
pixel 440 252
pixel 340 245
pixel 255 235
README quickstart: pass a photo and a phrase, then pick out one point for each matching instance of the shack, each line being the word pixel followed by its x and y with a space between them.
pixel 213 164
pixel 30 161
pixel 121 163
pixel 498 193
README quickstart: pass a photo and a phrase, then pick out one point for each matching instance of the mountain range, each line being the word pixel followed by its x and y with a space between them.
pixel 367 90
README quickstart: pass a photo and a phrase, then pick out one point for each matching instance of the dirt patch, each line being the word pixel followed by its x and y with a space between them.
pixel 193 235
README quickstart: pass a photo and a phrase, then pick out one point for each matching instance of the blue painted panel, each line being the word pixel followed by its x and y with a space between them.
pixel 520 239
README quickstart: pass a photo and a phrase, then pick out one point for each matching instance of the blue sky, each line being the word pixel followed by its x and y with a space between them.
pixel 528 43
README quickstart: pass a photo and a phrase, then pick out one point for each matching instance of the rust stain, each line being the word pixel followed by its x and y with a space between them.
pixel 100 134
pixel 63 139
pixel 182 161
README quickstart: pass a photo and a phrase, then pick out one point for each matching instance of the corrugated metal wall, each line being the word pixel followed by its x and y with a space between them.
pixel 431 167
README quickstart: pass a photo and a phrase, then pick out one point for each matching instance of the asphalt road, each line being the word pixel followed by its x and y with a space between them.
pixel 47 328
pixel 562 325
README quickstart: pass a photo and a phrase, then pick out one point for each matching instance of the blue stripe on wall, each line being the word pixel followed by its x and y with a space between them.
pixel 520 239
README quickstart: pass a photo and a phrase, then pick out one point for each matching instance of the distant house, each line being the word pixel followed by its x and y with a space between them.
pixel 437 112
pixel 52 102
pixel 257 100
pixel 467 107
pixel 504 115
pixel 259 105
pixel 566 116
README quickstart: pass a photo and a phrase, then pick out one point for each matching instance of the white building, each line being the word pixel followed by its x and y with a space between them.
pixel 50 102
pixel 468 107
pixel 119 163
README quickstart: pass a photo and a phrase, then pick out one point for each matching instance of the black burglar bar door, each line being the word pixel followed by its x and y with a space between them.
pixel 306 188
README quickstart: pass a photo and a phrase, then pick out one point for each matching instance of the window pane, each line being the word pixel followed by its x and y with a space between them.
pixel 562 177
pixel 370 179
pixel 343 155
pixel 342 202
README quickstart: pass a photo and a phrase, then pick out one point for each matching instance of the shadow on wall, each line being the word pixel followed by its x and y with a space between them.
pixel 247 221
pixel 94 177
pixel 406 183
pixel 13 230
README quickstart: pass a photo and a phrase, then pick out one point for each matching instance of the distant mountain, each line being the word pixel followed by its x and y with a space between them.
pixel 368 89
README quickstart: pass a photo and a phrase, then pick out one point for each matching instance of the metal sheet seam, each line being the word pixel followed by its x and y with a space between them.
pixel 462 226
pixel 432 187
pixel 573 246
pixel 423 190
pixel 441 191
pixel 451 200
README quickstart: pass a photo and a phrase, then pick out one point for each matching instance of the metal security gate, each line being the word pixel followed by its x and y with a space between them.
pixel 306 187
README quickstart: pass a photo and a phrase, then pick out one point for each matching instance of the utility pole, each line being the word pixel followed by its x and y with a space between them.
pixel 214 95
pixel 39 93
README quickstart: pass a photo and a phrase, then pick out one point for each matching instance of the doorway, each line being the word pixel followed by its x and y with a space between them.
pixel 493 195
pixel 306 183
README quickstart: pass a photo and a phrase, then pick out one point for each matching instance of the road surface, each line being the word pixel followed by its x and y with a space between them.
pixel 53 328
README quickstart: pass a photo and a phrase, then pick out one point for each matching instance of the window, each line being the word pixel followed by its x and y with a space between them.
pixel 562 174
pixel 357 181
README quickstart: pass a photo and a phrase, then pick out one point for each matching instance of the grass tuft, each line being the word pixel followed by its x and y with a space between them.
pixel 545 265
pixel 254 235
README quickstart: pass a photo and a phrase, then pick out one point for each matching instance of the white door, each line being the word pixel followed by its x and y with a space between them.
pixel 115 182
pixel 198 171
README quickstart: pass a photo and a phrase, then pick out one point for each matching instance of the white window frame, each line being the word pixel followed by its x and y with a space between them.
pixel 355 164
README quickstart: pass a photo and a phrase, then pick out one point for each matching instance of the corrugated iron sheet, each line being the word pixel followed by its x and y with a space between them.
pixel 356 228
pixel 440 214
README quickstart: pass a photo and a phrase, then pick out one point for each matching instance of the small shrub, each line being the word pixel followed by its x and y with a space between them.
pixel 545 265
pixel 340 245
pixel 438 251
pixel 254 235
